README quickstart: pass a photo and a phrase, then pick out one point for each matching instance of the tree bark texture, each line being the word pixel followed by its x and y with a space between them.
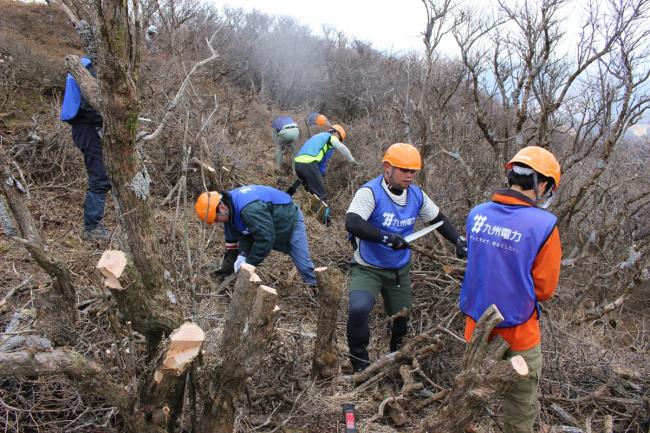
pixel 147 303
pixel 484 377
pixel 247 334
pixel 89 377
pixel 163 383
pixel 57 312
pixel 325 360
pixel 161 400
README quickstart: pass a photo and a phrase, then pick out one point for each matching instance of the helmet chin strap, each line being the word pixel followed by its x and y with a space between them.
pixel 546 199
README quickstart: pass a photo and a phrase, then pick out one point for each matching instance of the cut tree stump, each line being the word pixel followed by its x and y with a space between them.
pixel 247 334
pixel 164 382
pixel 325 361
pixel 485 376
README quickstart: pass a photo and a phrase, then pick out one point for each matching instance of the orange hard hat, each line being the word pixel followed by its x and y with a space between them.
pixel 321 120
pixel 206 206
pixel 540 160
pixel 340 130
pixel 403 155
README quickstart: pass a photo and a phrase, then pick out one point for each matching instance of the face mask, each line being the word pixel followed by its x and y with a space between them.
pixel 546 201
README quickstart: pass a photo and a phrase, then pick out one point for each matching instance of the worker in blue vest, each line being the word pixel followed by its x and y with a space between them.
pixel 86 125
pixel 285 138
pixel 381 213
pixel 514 263
pixel 258 219
pixel 311 160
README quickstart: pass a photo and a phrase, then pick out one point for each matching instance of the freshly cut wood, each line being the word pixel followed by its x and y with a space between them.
pixel 247 334
pixel 185 345
pixel 111 265
pixel 325 360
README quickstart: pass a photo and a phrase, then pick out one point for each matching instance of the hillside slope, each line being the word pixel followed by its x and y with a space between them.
pixel 594 369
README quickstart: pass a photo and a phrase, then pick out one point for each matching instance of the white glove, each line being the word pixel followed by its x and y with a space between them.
pixel 240 261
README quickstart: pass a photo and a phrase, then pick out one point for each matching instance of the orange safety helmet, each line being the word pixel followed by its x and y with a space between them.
pixel 321 120
pixel 403 155
pixel 540 160
pixel 206 206
pixel 340 130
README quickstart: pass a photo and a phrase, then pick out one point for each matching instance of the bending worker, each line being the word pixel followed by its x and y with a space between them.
pixel 285 137
pixel 311 160
pixel 382 212
pixel 514 262
pixel 258 219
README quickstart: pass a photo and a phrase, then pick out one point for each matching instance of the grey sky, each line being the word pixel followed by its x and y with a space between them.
pixel 388 25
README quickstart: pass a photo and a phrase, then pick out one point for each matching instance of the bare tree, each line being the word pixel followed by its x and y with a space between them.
pixel 151 399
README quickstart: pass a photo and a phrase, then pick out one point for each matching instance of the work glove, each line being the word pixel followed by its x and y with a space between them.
pixel 461 248
pixel 394 240
pixel 240 261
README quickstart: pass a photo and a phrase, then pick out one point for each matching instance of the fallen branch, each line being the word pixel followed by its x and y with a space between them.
pixel 406 352
pixel 4 306
pixel 87 375
pixel 601 310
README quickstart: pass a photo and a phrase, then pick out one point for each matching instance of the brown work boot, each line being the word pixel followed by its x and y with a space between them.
pixel 99 233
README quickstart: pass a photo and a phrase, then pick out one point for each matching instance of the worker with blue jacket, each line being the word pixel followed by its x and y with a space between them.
pixel 86 125
pixel 258 219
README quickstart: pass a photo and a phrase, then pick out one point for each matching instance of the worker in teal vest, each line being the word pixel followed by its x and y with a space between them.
pixel 311 160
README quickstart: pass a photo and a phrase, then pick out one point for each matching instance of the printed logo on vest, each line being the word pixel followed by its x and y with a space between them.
pixel 481 225
pixel 479 220
pixel 390 220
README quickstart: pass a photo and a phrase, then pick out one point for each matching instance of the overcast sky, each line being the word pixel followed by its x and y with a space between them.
pixel 388 25
pixel 393 26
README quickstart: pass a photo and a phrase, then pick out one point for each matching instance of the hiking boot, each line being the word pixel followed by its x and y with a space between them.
pixel 99 233
pixel 359 360
pixel 359 365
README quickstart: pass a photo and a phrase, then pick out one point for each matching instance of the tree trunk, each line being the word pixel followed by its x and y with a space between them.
pixel 485 376
pixel 325 359
pixel 147 303
pixel 246 336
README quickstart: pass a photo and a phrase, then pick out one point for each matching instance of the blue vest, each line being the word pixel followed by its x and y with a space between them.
pixel 72 95
pixel 393 218
pixel 281 122
pixel 503 242
pixel 243 196
pixel 317 149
